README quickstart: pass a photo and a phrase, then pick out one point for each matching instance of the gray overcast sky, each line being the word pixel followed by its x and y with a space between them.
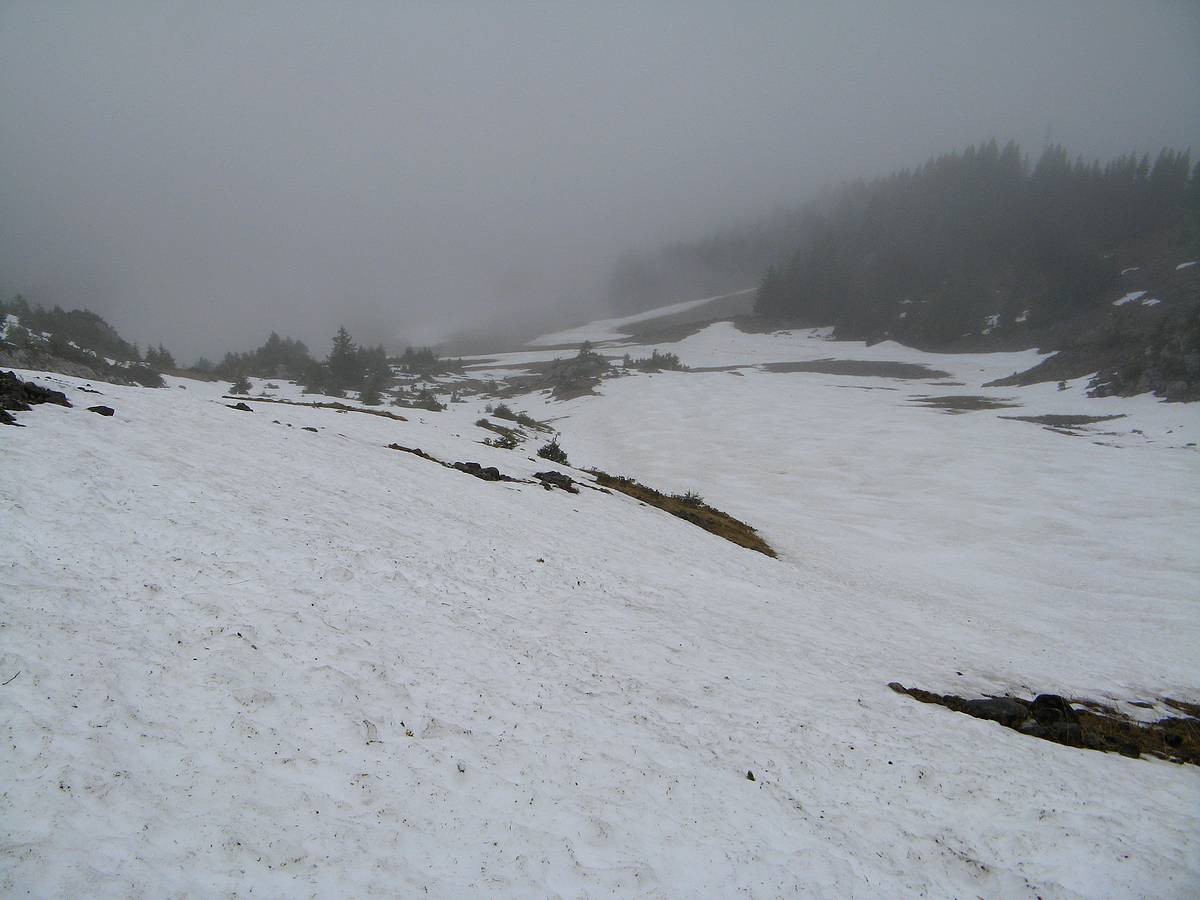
pixel 201 172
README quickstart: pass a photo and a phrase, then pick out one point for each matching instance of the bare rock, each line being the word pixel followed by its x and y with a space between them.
pixel 551 480
pixel 17 395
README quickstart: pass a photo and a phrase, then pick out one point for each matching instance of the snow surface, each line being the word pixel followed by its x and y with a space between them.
pixel 257 659
pixel 610 329
pixel 1129 298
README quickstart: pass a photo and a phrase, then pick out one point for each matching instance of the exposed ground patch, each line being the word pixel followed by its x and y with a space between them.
pixel 691 509
pixel 339 407
pixel 965 403
pixel 1094 727
pixel 1063 421
pixel 865 368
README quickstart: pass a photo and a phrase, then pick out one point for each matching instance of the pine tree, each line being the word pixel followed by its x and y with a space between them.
pixel 344 365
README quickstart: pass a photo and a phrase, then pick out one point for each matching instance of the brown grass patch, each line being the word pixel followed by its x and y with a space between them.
pixel 691 510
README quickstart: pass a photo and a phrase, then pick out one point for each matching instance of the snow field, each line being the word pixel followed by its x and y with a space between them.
pixel 226 627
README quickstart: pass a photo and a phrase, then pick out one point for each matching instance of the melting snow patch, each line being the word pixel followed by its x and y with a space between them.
pixel 1151 301
pixel 1130 269
pixel 1185 265
pixel 1023 317
pixel 1129 298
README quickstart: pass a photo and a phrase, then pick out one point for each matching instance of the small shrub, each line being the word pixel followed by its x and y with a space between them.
pixel 369 395
pixel 427 400
pixel 505 412
pixel 691 498
pixel 553 452
pixel 655 362
pixel 241 386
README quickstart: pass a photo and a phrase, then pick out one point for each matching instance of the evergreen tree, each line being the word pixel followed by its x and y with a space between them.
pixel 344 365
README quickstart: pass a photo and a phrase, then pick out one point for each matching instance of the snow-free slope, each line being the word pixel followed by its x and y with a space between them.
pixel 255 658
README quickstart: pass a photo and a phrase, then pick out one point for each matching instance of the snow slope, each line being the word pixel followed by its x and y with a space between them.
pixel 610 329
pixel 257 659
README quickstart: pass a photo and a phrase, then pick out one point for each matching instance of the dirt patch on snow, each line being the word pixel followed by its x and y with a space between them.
pixel 866 368
pixel 1095 726
pixel 1064 422
pixel 965 403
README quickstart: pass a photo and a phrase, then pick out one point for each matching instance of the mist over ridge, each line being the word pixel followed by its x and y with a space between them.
pixel 203 175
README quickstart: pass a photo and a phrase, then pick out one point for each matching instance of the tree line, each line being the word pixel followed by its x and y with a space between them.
pixel 928 254
pixel 348 366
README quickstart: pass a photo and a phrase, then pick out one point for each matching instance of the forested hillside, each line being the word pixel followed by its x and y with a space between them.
pixel 981 243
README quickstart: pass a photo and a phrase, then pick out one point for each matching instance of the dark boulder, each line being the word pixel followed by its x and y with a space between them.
pixel 239 406
pixel 101 410
pixel 17 395
pixel 487 473
pixel 551 480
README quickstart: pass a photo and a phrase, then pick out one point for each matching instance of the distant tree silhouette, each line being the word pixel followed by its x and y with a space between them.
pixel 929 254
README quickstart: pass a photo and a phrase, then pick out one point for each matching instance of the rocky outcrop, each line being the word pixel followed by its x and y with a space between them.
pixel 487 473
pixel 17 396
pixel 551 480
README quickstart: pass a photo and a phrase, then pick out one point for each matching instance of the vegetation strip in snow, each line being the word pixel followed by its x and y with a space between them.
pixel 340 407
pixel 1096 727
pixel 692 509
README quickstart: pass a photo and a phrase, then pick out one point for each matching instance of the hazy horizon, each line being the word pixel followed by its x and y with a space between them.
pixel 200 175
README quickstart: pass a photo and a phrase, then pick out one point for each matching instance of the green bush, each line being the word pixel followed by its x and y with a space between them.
pixel 655 362
pixel 504 412
pixel 553 452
